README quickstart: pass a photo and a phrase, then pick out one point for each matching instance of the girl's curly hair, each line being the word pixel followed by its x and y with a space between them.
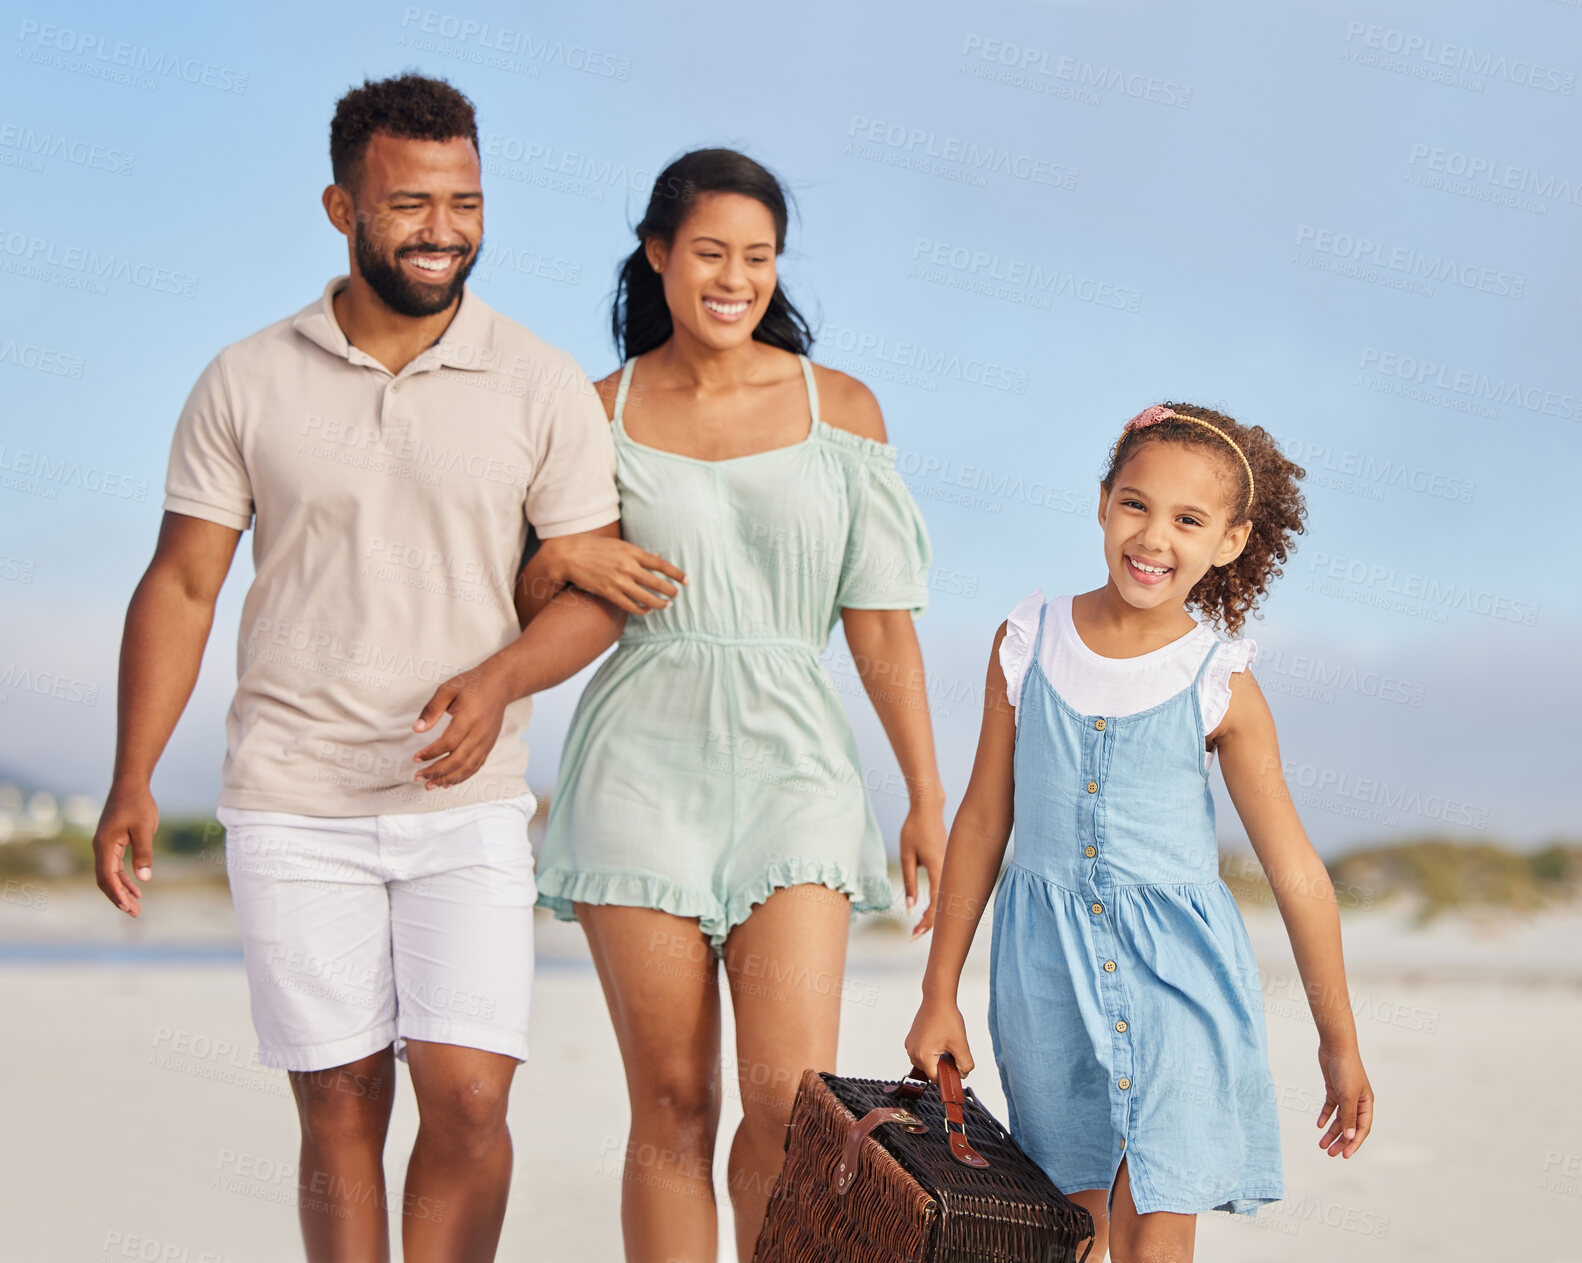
pixel 1227 594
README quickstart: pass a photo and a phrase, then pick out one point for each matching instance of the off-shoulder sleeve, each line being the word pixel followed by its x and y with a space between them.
pixel 887 555
pixel 1017 649
pixel 1231 657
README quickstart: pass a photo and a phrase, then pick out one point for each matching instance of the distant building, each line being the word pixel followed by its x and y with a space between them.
pixel 26 816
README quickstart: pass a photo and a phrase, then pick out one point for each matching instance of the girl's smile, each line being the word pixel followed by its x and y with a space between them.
pixel 1145 572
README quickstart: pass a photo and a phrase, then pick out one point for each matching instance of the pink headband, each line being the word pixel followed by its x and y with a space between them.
pixel 1156 413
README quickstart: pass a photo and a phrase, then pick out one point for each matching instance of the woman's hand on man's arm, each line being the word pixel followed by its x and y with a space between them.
pixel 600 563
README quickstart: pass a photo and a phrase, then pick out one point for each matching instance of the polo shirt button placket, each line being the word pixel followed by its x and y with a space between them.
pixel 387 402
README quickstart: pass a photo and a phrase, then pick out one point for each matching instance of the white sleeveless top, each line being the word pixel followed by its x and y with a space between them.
pixel 1095 685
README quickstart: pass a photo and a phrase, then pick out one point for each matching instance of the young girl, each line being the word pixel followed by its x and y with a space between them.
pixel 1125 1004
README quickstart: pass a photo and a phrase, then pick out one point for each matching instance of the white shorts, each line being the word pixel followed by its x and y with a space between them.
pixel 362 931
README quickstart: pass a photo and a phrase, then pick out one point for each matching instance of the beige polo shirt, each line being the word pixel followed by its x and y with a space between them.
pixel 389 515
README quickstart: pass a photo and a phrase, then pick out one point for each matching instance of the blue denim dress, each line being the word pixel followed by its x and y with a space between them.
pixel 1125 1004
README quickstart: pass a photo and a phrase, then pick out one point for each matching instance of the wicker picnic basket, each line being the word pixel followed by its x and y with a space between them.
pixel 889 1172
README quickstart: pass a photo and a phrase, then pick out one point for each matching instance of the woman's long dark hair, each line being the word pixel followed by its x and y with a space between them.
pixel 640 320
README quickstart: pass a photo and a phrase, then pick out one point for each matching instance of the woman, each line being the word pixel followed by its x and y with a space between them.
pixel 710 806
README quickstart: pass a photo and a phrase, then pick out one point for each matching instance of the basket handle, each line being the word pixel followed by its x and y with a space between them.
pixel 954 1100
pixel 846 1172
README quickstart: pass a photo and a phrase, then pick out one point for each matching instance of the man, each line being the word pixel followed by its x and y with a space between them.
pixel 390 445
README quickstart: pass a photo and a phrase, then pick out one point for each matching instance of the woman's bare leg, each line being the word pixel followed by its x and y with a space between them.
pixel 786 965
pixel 661 982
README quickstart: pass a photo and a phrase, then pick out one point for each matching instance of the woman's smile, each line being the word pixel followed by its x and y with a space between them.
pixel 728 310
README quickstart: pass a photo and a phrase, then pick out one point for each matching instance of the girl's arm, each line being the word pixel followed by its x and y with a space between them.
pixel 1249 754
pixel 972 864
pixel 889 662
pixel 600 563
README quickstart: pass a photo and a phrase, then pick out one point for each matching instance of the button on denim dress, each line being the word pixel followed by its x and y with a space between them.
pixel 1125 1003
pixel 710 761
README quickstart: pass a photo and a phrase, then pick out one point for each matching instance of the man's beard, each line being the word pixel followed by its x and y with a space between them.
pixel 400 292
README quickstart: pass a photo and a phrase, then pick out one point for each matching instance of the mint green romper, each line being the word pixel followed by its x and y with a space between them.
pixel 710 761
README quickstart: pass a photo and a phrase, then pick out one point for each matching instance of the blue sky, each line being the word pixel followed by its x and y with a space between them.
pixel 1356 225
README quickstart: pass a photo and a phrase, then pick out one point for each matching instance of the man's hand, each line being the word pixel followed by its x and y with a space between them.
pixel 476 702
pixel 130 818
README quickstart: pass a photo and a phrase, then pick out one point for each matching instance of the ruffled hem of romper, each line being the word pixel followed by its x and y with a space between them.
pixel 867 894
pixel 558 890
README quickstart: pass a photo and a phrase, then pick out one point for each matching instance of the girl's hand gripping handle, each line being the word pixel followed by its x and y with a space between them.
pixel 937 1031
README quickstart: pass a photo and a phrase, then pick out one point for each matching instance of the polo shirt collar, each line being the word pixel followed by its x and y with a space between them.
pixel 467 343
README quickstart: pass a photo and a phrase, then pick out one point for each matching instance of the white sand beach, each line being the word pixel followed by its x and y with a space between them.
pixel 139 1126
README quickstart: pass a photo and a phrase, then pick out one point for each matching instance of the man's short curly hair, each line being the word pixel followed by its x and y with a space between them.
pixel 413 107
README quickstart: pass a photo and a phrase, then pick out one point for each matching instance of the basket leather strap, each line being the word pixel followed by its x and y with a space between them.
pixel 950 1093
pixel 846 1173
pixel 955 1112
